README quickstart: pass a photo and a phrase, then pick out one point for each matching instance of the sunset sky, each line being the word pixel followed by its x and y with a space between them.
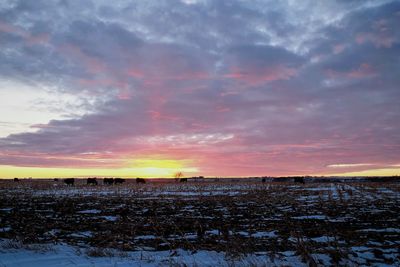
pixel 212 88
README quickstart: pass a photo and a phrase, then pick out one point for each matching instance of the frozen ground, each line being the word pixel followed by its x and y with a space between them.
pixel 204 224
pixel 65 255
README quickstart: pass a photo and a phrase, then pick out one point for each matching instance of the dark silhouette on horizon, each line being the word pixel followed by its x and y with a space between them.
pixel 69 181
pixel 91 181
pixel 140 181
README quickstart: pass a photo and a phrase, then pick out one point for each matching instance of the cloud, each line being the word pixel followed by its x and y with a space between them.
pixel 257 64
pixel 347 165
pixel 239 89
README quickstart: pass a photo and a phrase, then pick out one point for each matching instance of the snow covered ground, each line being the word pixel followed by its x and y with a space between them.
pixel 65 255
pixel 200 224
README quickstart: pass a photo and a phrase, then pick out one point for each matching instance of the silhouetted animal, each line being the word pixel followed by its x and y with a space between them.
pixel 108 181
pixel 183 180
pixel 16 180
pixel 92 181
pixel 140 181
pixel 55 179
pixel 299 180
pixel 263 180
pixel 119 180
pixel 69 181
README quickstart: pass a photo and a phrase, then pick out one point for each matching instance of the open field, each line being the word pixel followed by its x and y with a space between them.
pixel 248 223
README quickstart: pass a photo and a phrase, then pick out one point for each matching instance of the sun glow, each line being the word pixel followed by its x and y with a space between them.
pixel 372 172
pixel 147 168
pixel 154 167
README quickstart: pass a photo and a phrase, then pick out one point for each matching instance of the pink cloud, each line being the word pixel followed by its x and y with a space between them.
pixel 38 39
pixel 29 38
pixel 381 35
pixel 124 93
pixel 223 109
pixel 164 73
pixel 92 64
pixel 9 28
pixel 338 48
pixel 136 73
pixel 30 159
pixel 364 70
pixel 259 76
pixel 158 116
pixel 123 87
pixel 378 40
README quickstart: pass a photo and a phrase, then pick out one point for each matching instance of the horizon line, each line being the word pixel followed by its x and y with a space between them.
pixel 207 177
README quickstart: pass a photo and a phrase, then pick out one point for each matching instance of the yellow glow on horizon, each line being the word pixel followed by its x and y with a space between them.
pixel 372 172
pixel 159 163
pixel 143 169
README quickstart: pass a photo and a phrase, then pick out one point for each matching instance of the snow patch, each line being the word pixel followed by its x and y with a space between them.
pixel 93 211
pixel 310 217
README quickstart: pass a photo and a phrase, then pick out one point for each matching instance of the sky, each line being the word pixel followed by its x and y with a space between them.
pixel 212 88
